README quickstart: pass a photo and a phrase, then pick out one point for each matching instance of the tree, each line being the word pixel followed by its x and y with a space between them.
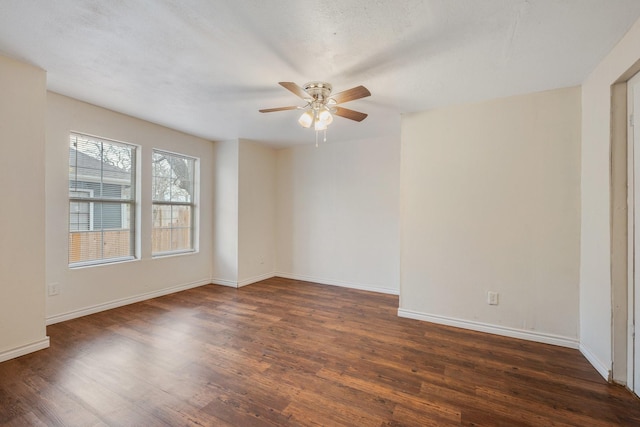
pixel 173 177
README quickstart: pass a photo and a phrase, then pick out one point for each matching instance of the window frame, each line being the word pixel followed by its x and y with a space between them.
pixel 132 202
pixel 193 204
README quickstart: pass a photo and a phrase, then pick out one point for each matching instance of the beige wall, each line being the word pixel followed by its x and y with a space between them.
pixel 256 212
pixel 491 202
pixel 225 222
pixel 338 213
pixel 596 248
pixel 90 289
pixel 245 205
pixel 22 213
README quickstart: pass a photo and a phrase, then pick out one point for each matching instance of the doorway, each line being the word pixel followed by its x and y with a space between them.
pixel 633 200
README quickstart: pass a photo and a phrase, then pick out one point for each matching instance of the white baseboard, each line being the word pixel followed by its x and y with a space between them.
pixel 124 301
pixel 255 279
pixel 595 362
pixel 224 282
pixel 241 283
pixel 24 349
pixel 342 284
pixel 492 329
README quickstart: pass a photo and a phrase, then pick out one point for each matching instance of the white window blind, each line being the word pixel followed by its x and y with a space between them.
pixel 174 203
pixel 102 200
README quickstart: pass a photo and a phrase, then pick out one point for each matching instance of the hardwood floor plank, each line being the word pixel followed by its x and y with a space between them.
pixel 430 408
pixel 52 404
pixel 288 353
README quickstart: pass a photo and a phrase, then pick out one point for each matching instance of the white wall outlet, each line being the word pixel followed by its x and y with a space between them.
pixel 492 298
pixel 54 289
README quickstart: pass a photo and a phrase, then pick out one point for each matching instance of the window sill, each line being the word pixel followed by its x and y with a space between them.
pixel 85 264
pixel 174 253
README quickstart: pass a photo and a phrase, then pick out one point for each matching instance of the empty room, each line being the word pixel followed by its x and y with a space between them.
pixel 355 213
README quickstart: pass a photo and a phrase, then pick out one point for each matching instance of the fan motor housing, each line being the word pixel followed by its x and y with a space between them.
pixel 318 90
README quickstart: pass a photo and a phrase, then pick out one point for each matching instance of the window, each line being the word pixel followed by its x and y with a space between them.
pixel 173 203
pixel 102 200
pixel 80 213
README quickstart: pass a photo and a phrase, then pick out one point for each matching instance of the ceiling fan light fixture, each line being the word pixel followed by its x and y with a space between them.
pixel 325 116
pixel 306 119
pixel 321 106
pixel 320 125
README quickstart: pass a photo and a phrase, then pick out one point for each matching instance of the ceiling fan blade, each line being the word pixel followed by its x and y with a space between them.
pixel 351 94
pixel 271 110
pixel 295 89
pixel 350 114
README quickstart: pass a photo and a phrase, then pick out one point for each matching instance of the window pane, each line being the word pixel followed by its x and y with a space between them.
pixel 181 216
pixel 100 171
pixel 161 215
pixel 173 195
pixel 79 216
pixel 181 239
pixel 161 189
pixel 172 178
pixel 105 167
pixel 183 179
pixel 105 234
pixel 172 228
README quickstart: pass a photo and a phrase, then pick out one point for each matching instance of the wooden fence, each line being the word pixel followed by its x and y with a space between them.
pixel 167 239
pixel 92 245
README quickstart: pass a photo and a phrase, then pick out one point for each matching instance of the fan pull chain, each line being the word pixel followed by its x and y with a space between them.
pixel 324 137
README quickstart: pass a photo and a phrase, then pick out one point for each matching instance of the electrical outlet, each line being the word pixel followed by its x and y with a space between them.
pixel 54 289
pixel 492 298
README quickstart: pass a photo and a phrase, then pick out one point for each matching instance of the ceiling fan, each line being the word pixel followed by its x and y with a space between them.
pixel 320 104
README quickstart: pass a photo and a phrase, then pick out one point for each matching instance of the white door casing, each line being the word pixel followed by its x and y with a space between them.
pixel 633 153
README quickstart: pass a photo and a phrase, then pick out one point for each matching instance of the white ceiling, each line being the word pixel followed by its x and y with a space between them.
pixel 205 67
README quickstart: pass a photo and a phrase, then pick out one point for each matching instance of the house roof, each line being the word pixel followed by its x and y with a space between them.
pixel 91 169
pixel 206 67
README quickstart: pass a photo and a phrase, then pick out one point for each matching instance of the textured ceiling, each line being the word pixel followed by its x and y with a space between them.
pixel 206 67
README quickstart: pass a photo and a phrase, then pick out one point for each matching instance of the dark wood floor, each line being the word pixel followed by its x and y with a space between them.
pixel 282 352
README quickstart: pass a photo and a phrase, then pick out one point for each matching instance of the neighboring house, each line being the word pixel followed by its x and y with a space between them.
pixel 86 181
pixel 97 229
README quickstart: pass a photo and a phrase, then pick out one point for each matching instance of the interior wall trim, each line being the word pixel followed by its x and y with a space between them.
pixel 596 363
pixel 331 282
pixel 492 329
pixel 123 301
pixel 256 279
pixel 24 349
pixel 225 282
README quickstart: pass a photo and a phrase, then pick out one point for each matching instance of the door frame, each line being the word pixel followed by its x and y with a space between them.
pixel 633 171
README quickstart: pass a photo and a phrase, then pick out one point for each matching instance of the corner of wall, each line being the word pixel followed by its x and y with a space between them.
pixel 22 255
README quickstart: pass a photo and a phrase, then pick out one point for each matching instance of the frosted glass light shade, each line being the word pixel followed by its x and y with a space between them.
pixel 320 125
pixel 306 119
pixel 325 116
